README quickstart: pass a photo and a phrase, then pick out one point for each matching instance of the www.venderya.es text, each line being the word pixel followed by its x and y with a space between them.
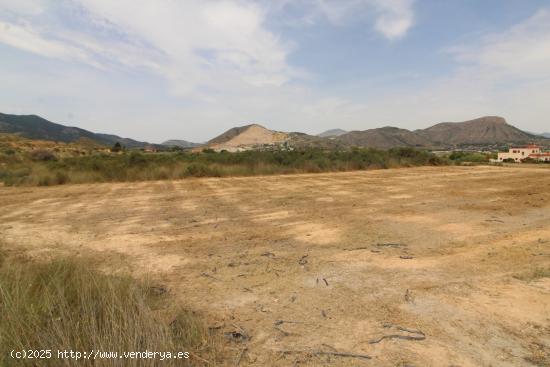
pixel 95 354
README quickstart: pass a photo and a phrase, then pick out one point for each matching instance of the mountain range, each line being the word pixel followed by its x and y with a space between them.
pixel 488 130
pixel 180 143
pixel 332 133
pixel 481 132
pixel 36 127
pixel 484 131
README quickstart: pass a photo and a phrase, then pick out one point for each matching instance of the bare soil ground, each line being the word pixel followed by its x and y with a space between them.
pixel 459 256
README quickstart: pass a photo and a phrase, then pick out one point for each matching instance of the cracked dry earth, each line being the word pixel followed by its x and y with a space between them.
pixel 459 256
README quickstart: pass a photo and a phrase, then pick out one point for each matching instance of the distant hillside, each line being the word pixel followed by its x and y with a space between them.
pixel 258 137
pixel 36 127
pixel 180 143
pixel 301 140
pixel 384 138
pixel 18 144
pixel 546 135
pixel 332 133
pixel 490 130
pixel 484 130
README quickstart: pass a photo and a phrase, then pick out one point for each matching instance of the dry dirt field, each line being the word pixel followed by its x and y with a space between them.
pixel 458 256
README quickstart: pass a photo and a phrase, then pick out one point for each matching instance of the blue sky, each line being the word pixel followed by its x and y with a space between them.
pixel 190 69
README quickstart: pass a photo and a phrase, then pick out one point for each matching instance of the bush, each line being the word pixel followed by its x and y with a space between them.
pixel 45 181
pixel 61 178
pixel 198 170
pixel 136 159
pixel 117 147
pixel 43 155
pixel 14 176
pixel 473 157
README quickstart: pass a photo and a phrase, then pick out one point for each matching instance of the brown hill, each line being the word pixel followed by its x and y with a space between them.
pixel 258 137
pixel 484 130
pixel 489 130
pixel 247 137
pixel 384 137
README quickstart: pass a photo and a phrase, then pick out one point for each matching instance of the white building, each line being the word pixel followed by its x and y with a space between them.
pixel 518 154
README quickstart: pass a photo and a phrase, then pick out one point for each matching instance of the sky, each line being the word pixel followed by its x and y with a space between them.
pixel 154 70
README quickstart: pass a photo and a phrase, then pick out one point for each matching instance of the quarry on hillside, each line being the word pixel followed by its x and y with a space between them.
pixel 247 137
pixel 429 266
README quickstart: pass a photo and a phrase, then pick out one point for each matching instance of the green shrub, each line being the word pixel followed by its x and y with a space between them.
pixel 473 157
pixel 136 158
pixel 15 175
pixel 117 147
pixel 43 155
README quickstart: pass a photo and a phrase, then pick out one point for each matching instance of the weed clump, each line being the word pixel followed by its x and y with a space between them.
pixel 535 274
pixel 43 155
pixel 65 305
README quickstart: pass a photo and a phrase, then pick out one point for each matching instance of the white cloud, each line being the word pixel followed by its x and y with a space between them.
pixel 209 44
pixel 395 17
pixel 391 18
pixel 195 44
pixel 28 39
pixel 27 7
pixel 522 51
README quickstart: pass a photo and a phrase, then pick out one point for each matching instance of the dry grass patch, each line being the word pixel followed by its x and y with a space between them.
pixel 540 355
pixel 66 305
pixel 535 274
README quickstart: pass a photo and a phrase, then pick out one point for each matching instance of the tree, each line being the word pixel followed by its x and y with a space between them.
pixel 116 148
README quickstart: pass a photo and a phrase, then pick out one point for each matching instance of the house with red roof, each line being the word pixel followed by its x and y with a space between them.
pixel 519 154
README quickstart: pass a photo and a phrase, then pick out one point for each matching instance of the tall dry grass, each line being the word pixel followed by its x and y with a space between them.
pixel 67 305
